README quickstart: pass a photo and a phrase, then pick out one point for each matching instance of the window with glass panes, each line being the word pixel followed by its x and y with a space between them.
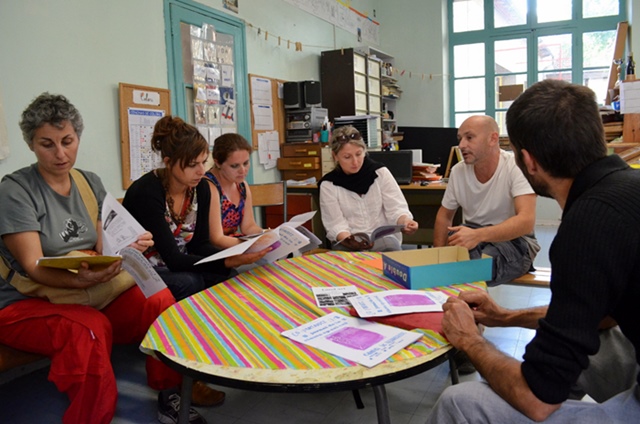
pixel 498 47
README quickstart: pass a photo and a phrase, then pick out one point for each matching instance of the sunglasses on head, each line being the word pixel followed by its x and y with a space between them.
pixel 346 138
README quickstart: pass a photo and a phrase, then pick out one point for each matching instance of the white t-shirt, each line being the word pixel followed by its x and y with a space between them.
pixel 487 203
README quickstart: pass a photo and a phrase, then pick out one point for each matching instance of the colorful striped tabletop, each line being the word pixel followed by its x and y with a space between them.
pixel 237 324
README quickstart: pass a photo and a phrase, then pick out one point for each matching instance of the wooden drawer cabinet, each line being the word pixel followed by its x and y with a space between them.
pixel 301 161
pixel 298 163
pixel 301 150
pixel 301 175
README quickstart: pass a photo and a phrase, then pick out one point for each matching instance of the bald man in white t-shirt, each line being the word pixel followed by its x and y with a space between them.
pixel 498 204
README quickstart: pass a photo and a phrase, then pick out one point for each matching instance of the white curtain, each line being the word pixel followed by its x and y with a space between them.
pixel 4 138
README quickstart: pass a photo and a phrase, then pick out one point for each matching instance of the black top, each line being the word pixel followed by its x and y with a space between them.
pixel 146 200
pixel 595 263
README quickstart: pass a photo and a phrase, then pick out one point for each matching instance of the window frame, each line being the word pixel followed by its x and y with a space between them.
pixel 531 31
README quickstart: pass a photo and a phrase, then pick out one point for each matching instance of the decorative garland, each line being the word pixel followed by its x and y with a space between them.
pixel 298 48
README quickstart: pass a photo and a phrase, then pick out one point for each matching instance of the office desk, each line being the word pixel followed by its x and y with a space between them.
pixel 423 201
pixel 230 334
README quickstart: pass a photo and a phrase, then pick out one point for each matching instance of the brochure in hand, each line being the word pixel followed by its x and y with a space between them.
pixel 284 239
pixel 119 230
pixel 75 262
pixel 379 232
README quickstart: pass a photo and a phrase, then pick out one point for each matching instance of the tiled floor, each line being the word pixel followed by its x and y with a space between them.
pixel 32 399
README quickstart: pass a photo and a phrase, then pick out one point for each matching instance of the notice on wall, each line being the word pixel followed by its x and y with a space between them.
pixel 143 158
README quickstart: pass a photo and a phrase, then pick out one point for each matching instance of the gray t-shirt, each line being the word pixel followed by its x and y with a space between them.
pixel 27 203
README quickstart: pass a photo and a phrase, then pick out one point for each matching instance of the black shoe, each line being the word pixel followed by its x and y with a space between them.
pixel 463 363
pixel 169 405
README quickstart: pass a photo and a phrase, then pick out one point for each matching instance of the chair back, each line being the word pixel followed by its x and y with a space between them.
pixel 270 194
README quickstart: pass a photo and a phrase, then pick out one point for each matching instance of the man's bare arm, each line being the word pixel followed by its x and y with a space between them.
pixel 444 219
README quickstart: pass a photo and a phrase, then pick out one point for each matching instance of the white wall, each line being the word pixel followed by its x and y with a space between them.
pixel 413 31
pixel 82 49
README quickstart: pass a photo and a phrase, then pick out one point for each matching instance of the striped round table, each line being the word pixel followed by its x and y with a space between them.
pixel 230 334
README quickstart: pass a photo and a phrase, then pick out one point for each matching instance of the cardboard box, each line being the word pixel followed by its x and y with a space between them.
pixel 439 266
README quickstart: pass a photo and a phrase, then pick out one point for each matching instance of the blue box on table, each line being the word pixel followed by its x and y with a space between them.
pixel 438 266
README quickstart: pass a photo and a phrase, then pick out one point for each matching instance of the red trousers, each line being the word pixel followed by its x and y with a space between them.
pixel 78 340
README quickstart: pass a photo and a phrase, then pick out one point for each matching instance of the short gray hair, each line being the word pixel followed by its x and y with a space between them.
pixel 52 109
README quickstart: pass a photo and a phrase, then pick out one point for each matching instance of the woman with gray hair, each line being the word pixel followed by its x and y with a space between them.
pixel 51 209
pixel 360 195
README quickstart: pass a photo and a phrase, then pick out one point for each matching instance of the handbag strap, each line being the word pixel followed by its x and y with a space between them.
pixel 87 194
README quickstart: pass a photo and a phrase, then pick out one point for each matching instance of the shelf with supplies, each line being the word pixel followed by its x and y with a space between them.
pixel 352 86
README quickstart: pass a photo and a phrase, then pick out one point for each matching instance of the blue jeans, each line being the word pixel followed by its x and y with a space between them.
pixel 184 284
pixel 475 402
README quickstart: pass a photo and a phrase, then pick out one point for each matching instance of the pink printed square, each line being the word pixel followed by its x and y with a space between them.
pixel 355 338
pixel 408 300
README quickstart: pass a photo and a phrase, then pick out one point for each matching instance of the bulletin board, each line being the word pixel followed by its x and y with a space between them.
pixel 278 109
pixel 140 108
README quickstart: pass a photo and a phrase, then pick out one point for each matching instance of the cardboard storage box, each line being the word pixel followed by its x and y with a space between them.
pixel 438 266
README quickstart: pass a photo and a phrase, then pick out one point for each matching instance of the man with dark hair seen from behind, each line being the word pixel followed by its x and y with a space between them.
pixel 557 134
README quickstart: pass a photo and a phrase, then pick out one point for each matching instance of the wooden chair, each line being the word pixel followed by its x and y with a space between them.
pixel 270 194
pixel 15 363
pixel 541 277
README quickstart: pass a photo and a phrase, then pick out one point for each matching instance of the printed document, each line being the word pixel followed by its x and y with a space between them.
pixel 365 342
pixel 394 302
pixel 283 240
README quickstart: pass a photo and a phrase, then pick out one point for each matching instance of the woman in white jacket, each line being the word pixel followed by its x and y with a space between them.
pixel 359 196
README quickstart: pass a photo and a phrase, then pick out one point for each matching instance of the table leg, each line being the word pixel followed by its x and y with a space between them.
pixel 382 404
pixel 357 399
pixel 453 368
pixel 185 400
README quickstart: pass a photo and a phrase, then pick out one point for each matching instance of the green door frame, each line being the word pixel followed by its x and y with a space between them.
pixel 190 12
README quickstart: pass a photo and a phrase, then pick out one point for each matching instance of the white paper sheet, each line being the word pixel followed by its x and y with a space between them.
pixel 142 271
pixel 119 227
pixel 284 239
pixel 142 157
pixel 394 302
pixel 333 297
pixel 367 343
pixel 260 91
pixel 262 117
pixel 119 230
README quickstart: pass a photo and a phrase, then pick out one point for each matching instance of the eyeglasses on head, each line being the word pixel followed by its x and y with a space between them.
pixel 345 138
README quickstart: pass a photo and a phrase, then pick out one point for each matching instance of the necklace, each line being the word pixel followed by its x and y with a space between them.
pixel 186 207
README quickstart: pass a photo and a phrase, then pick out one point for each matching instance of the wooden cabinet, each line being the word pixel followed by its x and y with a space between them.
pixel 301 161
pixel 351 85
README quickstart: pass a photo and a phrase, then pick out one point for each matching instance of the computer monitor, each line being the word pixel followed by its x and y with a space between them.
pixel 399 162
pixel 434 142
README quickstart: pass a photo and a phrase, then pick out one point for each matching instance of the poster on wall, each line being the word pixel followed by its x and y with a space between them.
pixel 142 156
